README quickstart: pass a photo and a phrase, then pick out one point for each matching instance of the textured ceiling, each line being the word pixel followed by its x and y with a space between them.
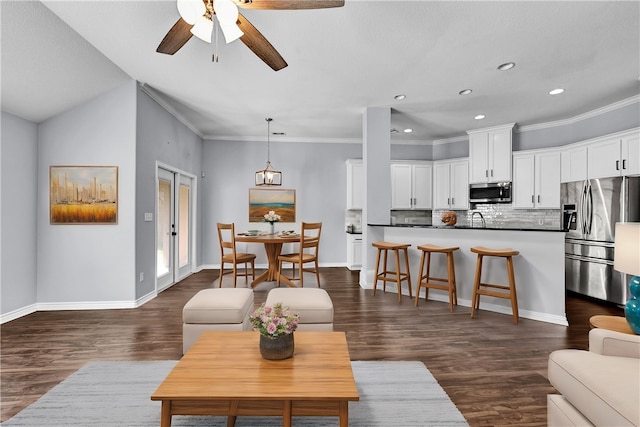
pixel 62 53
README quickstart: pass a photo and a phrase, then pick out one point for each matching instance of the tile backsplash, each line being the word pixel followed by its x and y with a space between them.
pixel 504 215
pixel 353 217
pixel 495 215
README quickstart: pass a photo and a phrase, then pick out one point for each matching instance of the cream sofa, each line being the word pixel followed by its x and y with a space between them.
pixel 599 387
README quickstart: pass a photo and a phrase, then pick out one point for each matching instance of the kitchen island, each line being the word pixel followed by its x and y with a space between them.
pixel 539 269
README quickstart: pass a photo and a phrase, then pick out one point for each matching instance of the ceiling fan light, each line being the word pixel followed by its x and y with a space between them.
pixel 191 10
pixel 227 14
pixel 231 32
pixel 202 29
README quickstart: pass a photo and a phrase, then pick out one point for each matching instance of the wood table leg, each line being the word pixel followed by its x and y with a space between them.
pixel 344 413
pixel 271 275
pixel 233 411
pixel 286 413
pixel 165 415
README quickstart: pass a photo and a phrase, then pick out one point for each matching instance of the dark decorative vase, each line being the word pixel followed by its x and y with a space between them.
pixel 632 308
pixel 276 348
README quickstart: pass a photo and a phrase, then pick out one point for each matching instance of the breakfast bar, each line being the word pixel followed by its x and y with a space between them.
pixel 539 268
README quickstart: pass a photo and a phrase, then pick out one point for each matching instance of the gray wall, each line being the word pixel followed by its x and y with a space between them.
pixel 317 172
pixel 623 118
pixel 159 137
pixel 18 190
pixel 89 264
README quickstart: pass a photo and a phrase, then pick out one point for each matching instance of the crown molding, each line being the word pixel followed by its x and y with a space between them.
pixel 589 114
pixel 153 94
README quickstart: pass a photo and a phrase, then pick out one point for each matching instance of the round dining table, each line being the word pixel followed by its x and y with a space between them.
pixel 272 246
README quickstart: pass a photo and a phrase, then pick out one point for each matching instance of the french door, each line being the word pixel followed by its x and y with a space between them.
pixel 174 240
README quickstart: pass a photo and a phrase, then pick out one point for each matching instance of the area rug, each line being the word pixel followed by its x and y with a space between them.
pixel 117 394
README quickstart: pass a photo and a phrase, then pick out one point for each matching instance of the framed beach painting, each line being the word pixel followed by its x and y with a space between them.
pixel 83 194
pixel 282 202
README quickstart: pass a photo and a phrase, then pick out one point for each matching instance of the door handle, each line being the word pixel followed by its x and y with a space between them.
pixel 538 198
pixel 173 233
pixel 624 163
pixel 617 165
pixel 453 201
pixel 486 173
pixel 492 172
pixel 533 200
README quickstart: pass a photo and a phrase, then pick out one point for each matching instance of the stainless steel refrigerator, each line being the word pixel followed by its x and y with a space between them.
pixel 590 211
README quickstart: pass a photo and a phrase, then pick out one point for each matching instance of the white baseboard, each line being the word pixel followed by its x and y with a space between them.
pixel 525 314
pixel 16 314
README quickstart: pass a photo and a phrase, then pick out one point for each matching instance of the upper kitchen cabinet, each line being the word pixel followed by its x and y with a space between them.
pixel 573 164
pixel 451 184
pixel 411 185
pixel 536 179
pixel 490 154
pixel 615 156
pixel 355 183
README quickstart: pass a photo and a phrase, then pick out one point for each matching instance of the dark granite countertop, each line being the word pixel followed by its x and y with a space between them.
pixel 465 227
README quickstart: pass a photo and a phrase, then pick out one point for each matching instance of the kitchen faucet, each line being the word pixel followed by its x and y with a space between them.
pixel 484 224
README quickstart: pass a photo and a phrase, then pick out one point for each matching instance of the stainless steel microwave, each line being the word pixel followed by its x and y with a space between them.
pixel 494 192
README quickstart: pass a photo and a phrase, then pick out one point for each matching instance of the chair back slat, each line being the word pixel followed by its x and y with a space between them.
pixel 310 237
pixel 227 239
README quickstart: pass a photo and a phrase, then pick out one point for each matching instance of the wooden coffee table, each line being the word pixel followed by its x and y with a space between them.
pixel 612 323
pixel 224 374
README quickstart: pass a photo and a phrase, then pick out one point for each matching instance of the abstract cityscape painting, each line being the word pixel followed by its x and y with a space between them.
pixel 83 194
pixel 282 202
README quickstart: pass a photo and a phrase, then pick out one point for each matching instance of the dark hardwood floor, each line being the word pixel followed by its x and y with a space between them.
pixel 493 370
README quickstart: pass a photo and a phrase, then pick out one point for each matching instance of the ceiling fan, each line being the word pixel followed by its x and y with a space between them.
pixel 197 19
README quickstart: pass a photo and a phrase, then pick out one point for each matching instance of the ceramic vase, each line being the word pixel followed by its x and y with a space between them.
pixel 278 348
pixel 632 308
pixel 272 228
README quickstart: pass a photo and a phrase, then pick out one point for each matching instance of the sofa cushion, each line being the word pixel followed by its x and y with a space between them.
pixel 218 305
pixel 605 389
pixel 561 413
pixel 313 305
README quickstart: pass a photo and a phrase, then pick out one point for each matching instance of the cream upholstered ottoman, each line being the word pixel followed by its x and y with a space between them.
pixel 216 309
pixel 313 305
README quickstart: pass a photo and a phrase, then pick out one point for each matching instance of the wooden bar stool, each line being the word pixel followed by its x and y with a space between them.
pixel 425 280
pixel 392 275
pixel 480 288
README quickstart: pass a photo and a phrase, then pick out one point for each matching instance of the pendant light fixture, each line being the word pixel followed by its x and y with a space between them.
pixel 268 176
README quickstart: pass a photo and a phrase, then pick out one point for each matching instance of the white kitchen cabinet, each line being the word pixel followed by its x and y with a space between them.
pixel 355 183
pixel 354 251
pixel 490 154
pixel 451 184
pixel 536 179
pixel 411 185
pixel 573 164
pixel 615 156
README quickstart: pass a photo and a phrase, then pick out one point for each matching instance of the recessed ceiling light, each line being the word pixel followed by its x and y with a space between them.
pixel 465 92
pixel 399 97
pixel 278 133
pixel 408 130
pixel 556 91
pixel 479 117
pixel 506 66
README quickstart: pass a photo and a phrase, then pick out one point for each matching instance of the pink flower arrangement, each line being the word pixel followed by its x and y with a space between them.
pixel 274 321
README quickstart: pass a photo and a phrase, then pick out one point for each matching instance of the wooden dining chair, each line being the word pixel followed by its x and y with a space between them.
pixel 307 253
pixel 229 255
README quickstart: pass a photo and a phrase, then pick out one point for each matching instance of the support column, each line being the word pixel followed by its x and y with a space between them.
pixel 376 159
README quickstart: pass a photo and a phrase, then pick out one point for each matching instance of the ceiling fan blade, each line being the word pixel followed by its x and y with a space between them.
pixel 177 36
pixel 260 45
pixel 288 4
